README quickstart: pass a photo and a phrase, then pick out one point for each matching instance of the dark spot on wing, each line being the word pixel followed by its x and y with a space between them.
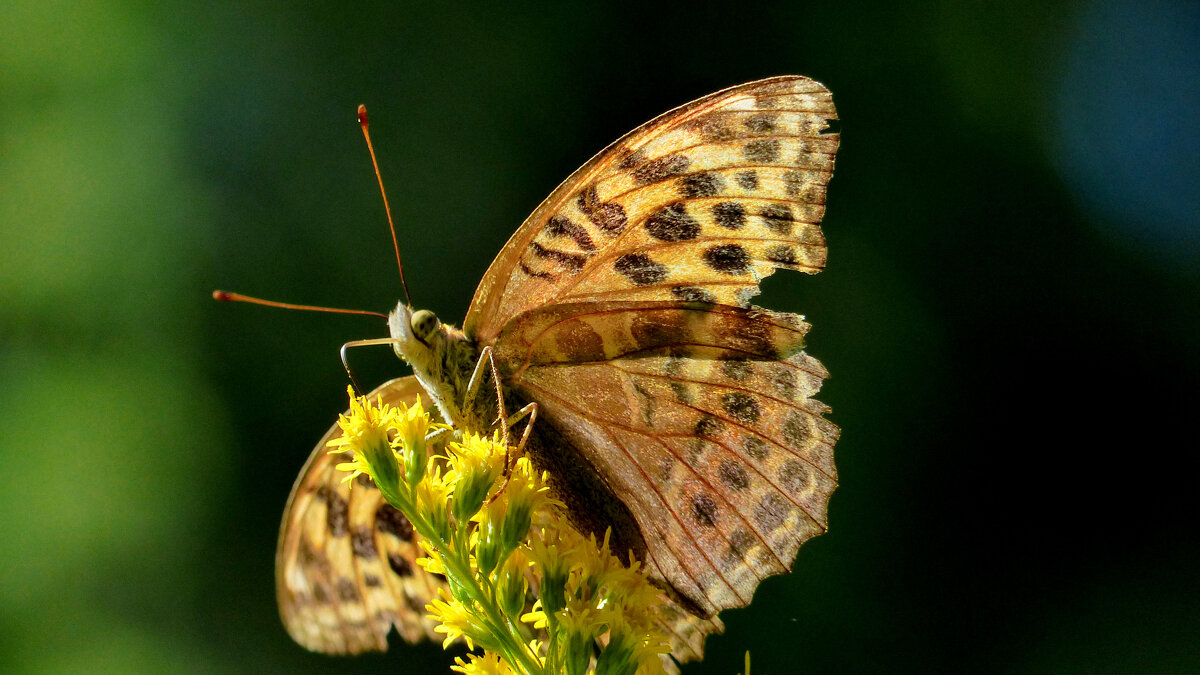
pixel 682 392
pixel 747 180
pixel 740 542
pixel 631 159
pixel 713 128
pixel 734 475
pixel 756 447
pixel 741 407
pixel 763 150
pixel 560 226
pixel 337 516
pixel 650 331
pixel 347 591
pixel 727 258
pixel 389 520
pixel 771 512
pixel 730 215
pixel 640 269
pixel 793 182
pixel 570 262
pixel 704 510
pixel 779 218
pixel 704 184
pixel 693 294
pixel 795 431
pixel 793 476
pixel 661 168
pixel 535 273
pixel 783 254
pixel 672 223
pixel 708 427
pixel 400 565
pixel 580 342
pixel 608 216
pixel 761 123
pixel 736 369
pixel 362 541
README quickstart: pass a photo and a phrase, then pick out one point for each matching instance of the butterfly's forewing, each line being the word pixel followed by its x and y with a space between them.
pixel 620 308
pixel 345 568
pixel 697 204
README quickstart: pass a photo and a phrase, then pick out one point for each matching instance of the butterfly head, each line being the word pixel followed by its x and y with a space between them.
pixel 435 351
pixel 416 334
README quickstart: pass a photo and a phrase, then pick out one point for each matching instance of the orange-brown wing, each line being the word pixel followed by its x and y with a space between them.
pixel 699 204
pixel 685 632
pixel 700 418
pixel 345 569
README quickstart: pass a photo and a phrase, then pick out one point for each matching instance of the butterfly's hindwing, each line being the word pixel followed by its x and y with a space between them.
pixel 346 562
pixel 701 420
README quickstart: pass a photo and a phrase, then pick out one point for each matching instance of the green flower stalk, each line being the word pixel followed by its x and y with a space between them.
pixel 527 593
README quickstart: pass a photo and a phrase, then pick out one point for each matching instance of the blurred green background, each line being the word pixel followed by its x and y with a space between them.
pixel 1010 311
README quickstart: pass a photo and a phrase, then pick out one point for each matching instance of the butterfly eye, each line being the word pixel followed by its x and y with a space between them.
pixel 424 322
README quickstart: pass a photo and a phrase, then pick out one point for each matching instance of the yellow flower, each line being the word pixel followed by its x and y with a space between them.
pixel 511 584
pixel 548 554
pixel 487 664
pixel 430 498
pixel 456 620
pixel 536 615
pixel 365 434
pixel 492 552
pixel 412 426
pixel 487 537
pixel 525 493
pixel 629 649
pixel 579 629
pixel 475 464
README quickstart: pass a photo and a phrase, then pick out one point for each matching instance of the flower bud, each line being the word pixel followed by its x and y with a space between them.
pixel 511 585
pixel 617 656
pixel 518 513
pixel 487 547
pixel 416 457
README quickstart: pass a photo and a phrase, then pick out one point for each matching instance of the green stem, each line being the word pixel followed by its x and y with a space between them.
pixel 511 642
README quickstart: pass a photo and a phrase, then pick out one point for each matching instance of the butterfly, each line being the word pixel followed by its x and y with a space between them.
pixel 667 406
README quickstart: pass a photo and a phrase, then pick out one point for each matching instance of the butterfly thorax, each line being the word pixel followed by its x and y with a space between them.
pixel 442 358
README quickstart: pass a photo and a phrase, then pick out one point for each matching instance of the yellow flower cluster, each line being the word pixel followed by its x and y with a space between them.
pixel 523 586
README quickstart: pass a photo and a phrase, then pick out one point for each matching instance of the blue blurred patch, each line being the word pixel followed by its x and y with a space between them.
pixel 1127 114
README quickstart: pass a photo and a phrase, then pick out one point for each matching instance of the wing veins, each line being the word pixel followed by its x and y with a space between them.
pixel 788 404
pixel 712 489
pixel 658 492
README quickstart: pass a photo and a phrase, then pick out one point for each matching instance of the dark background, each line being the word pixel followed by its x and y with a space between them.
pixel 1010 310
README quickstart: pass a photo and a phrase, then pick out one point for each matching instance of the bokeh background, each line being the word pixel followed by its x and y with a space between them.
pixel 1010 311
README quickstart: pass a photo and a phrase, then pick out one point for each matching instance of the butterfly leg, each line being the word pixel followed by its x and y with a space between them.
pixel 530 411
pixel 487 360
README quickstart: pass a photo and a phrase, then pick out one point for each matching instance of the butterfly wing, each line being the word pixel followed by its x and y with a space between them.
pixel 700 419
pixel 698 204
pixel 685 633
pixel 345 567
pixel 620 307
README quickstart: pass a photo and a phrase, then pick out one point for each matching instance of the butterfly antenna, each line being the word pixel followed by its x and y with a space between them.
pixel 225 296
pixel 362 122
